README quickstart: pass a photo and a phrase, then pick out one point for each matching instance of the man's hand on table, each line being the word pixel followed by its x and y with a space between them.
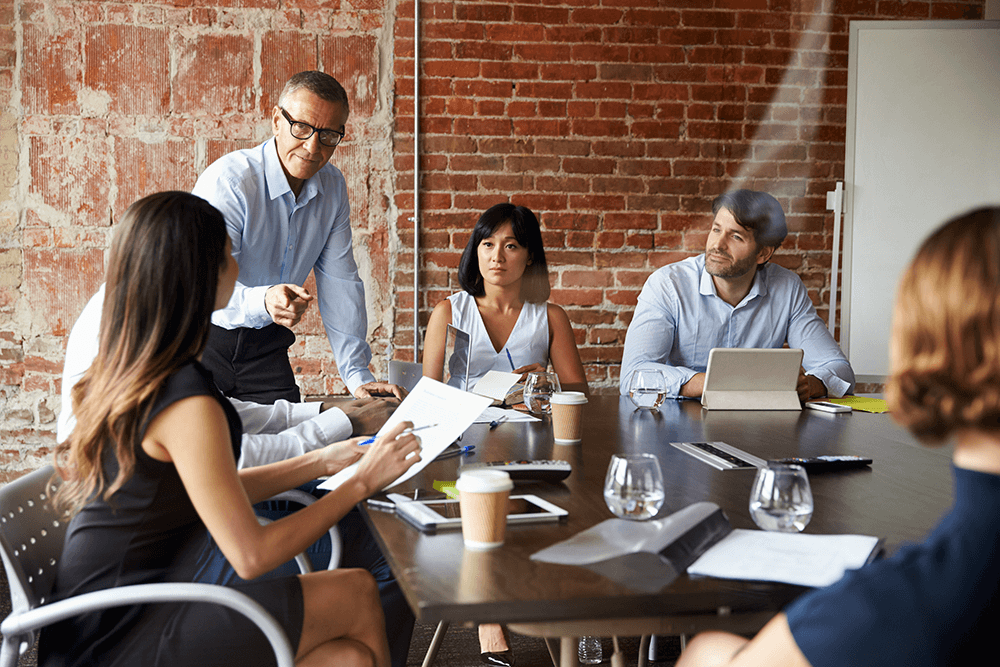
pixel 370 389
pixel 809 386
pixel 694 387
pixel 367 415
pixel 286 303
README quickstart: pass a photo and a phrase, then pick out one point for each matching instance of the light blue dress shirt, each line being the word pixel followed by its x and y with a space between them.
pixel 278 239
pixel 680 318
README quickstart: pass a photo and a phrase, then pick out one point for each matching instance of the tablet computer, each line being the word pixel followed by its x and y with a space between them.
pixel 430 516
pixel 752 379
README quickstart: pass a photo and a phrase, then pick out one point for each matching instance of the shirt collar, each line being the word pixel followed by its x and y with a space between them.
pixel 277 182
pixel 758 288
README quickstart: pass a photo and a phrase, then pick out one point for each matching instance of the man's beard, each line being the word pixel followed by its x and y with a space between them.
pixel 735 270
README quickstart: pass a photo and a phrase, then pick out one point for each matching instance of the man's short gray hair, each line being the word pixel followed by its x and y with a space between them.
pixel 320 84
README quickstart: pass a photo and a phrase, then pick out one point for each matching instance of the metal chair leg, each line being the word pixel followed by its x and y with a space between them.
pixel 436 640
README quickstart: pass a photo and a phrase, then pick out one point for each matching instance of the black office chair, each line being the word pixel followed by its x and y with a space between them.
pixel 31 544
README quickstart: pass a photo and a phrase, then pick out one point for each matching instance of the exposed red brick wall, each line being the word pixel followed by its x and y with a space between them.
pixel 105 102
pixel 618 122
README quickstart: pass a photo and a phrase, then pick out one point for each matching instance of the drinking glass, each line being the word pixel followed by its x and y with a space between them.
pixel 538 391
pixel 633 487
pixel 781 499
pixel 647 389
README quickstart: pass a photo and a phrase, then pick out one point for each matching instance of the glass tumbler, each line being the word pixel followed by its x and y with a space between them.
pixel 781 498
pixel 538 390
pixel 633 487
pixel 647 389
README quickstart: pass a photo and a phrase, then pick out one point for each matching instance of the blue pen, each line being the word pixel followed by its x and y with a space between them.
pixel 461 451
pixel 512 367
pixel 409 430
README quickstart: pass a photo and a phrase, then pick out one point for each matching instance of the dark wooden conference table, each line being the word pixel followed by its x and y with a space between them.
pixel 899 499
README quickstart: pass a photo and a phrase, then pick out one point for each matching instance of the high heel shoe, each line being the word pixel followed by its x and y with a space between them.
pixel 498 659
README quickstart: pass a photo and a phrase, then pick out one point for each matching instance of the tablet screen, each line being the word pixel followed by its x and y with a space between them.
pixel 450 509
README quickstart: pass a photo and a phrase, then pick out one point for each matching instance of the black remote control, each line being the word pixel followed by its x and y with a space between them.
pixel 545 471
pixel 829 463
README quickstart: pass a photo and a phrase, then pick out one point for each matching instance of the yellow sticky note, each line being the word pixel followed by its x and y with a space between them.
pixel 447 488
pixel 864 404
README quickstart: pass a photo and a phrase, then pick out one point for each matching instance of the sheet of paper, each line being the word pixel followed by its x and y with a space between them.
pixel 496 384
pixel 451 411
pixel 862 403
pixel 493 414
pixel 792 558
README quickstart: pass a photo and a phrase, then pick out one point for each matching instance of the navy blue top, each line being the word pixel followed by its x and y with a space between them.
pixel 933 603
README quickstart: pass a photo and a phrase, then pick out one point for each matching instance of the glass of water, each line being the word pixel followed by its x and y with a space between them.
pixel 633 487
pixel 647 389
pixel 781 499
pixel 538 391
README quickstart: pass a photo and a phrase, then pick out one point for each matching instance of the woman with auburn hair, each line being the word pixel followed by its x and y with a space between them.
pixel 150 475
pixel 503 307
pixel 934 603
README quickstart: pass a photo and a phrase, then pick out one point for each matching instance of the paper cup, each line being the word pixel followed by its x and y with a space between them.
pixel 482 495
pixel 567 415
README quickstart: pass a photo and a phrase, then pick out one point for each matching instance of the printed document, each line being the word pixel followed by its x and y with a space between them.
pixel 451 411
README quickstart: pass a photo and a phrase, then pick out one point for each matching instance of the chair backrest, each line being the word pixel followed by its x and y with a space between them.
pixel 31 537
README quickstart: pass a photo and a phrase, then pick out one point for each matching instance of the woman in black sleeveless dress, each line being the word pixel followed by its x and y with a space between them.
pixel 150 474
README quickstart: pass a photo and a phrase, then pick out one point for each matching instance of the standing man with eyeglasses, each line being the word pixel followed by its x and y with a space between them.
pixel 287 212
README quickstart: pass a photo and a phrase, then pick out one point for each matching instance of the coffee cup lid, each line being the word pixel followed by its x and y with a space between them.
pixel 568 397
pixel 484 481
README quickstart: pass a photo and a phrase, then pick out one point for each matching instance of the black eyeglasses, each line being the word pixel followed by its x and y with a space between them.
pixel 300 130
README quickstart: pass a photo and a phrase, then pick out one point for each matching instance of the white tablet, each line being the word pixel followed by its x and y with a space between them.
pixel 752 379
pixel 430 516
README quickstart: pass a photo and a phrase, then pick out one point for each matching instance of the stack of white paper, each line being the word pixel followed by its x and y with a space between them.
pixel 792 558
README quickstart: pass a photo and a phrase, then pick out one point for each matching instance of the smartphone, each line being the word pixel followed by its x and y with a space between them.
pixel 826 406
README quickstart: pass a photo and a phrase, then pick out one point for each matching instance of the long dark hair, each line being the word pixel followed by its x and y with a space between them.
pixel 162 276
pixel 535 282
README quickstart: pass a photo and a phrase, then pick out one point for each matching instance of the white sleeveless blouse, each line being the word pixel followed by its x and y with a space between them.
pixel 528 342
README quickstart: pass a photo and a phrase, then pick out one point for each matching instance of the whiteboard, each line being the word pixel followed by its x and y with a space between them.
pixel 923 145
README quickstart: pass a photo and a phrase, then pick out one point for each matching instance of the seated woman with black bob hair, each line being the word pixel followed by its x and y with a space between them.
pixel 934 603
pixel 503 305
pixel 150 476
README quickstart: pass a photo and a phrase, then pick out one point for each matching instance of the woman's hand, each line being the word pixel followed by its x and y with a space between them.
pixel 388 458
pixel 337 456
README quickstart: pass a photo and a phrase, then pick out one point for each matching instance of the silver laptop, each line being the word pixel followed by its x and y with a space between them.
pixel 742 379
pixel 457 344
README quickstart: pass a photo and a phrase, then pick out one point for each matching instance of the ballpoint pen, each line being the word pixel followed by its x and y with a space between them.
pixel 461 451
pixel 409 430
pixel 509 358
pixel 497 422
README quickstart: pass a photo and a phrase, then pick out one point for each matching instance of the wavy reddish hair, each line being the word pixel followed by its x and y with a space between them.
pixel 945 348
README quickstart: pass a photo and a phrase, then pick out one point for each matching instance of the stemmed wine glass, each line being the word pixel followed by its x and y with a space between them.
pixel 633 487
pixel 781 499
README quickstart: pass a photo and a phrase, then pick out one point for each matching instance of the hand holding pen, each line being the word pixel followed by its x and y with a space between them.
pixel 390 456
pixel 405 432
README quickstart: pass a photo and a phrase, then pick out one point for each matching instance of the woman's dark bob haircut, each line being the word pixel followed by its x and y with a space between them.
pixel 535 283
